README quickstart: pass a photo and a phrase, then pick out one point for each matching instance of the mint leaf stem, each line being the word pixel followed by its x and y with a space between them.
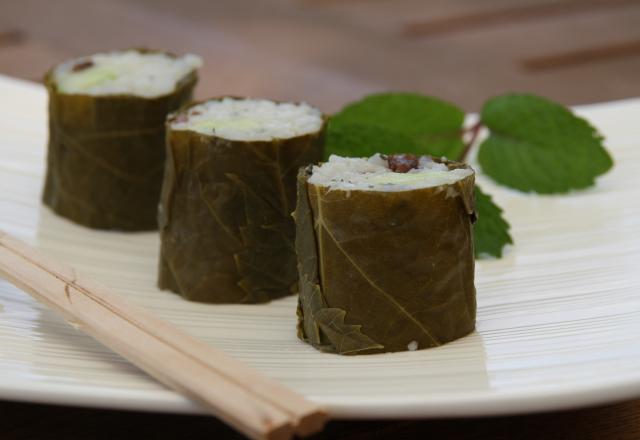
pixel 474 130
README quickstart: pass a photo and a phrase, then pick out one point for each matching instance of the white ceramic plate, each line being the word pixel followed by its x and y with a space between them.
pixel 558 317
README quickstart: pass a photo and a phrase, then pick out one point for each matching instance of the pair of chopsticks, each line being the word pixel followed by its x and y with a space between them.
pixel 253 404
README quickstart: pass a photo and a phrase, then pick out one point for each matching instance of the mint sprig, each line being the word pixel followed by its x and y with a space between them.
pixel 533 145
pixel 537 145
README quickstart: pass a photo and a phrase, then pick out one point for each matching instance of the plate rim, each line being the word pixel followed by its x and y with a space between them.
pixel 442 405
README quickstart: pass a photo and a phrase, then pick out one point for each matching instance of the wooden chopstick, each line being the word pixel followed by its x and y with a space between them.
pixel 253 404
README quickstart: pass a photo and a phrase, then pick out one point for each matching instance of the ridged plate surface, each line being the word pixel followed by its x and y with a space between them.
pixel 558 317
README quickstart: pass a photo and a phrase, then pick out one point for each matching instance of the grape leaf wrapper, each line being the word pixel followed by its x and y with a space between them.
pixel 227 235
pixel 106 156
pixel 396 276
pixel 537 145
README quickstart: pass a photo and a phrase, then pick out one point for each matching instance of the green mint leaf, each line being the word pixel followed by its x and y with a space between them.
pixel 491 231
pixel 361 140
pixel 396 122
pixel 537 145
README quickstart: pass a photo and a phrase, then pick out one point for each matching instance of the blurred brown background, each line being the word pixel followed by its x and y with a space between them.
pixel 329 52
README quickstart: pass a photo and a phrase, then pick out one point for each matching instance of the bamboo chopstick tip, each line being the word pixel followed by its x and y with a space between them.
pixel 312 423
pixel 282 432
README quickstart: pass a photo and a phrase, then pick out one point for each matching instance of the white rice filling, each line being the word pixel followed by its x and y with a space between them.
pixel 373 174
pixel 130 72
pixel 250 119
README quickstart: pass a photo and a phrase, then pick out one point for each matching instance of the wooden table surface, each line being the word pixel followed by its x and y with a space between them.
pixel 21 421
pixel 328 53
